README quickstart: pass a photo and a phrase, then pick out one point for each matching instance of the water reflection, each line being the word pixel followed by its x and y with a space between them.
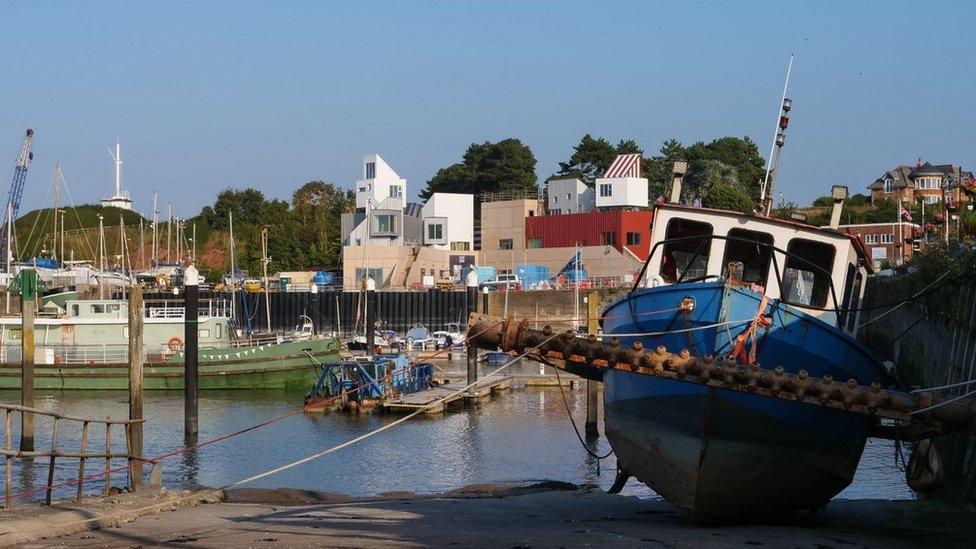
pixel 521 435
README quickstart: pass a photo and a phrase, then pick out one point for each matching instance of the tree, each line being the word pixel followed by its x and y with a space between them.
pixel 592 156
pixel 738 162
pixel 725 196
pixel 704 175
pixel 505 166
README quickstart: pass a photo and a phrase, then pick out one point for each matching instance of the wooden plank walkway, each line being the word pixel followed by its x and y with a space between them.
pixel 411 402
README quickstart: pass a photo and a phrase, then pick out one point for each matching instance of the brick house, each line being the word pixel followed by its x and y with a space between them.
pixel 891 242
pixel 923 181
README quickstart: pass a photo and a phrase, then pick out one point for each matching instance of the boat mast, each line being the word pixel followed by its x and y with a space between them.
pixel 155 240
pixel 779 138
pixel 101 257
pixel 233 297
pixel 57 205
pixel 264 264
pixel 179 242
pixel 118 168
pixel 10 223
pixel 169 226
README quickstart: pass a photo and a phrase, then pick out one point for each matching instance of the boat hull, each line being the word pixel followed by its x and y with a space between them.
pixel 284 366
pixel 722 455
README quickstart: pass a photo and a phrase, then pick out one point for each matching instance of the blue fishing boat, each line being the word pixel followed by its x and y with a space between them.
pixel 752 289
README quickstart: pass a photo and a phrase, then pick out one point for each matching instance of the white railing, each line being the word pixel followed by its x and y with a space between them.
pixel 167 312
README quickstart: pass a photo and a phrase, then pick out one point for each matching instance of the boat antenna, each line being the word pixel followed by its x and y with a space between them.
pixel 779 138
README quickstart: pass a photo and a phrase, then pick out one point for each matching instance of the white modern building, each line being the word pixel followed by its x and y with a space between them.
pixel 622 186
pixel 448 221
pixel 569 196
pixel 379 183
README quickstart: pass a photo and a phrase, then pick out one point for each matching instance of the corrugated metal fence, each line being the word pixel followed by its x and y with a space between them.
pixel 338 310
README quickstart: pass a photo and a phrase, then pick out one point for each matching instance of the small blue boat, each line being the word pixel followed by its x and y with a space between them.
pixel 755 289
pixel 363 382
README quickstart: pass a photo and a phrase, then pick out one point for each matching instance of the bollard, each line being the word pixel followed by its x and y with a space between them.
pixel 471 281
pixel 484 302
pixel 191 281
pixel 370 327
pixel 27 372
pixel 137 358
pixel 592 387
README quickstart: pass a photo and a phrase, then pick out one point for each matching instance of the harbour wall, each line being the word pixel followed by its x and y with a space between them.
pixel 552 307
pixel 938 348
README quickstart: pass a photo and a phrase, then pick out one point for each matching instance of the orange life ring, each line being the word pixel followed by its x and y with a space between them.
pixel 175 344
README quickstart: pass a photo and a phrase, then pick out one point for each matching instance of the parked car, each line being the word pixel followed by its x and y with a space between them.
pixel 503 282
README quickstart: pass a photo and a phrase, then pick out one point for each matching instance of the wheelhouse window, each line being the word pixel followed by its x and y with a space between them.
pixel 806 277
pixel 686 259
pixel 752 250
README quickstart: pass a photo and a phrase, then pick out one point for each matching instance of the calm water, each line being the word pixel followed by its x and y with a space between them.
pixel 518 436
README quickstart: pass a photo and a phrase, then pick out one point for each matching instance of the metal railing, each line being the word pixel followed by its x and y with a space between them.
pixel 82 455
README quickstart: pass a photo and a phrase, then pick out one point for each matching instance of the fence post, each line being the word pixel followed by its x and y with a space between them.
pixel 592 387
pixel 50 469
pixel 27 373
pixel 190 347
pixel 81 461
pixel 9 463
pixel 108 454
pixel 137 357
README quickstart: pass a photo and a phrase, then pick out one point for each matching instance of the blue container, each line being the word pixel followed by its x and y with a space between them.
pixel 571 275
pixel 323 278
pixel 485 274
pixel 531 276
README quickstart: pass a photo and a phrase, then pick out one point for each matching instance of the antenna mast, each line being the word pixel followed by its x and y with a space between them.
pixel 779 138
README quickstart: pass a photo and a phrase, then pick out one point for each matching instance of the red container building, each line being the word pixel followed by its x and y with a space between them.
pixel 618 228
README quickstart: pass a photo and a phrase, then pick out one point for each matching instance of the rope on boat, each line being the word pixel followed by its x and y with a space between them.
pixel 669 332
pixel 572 420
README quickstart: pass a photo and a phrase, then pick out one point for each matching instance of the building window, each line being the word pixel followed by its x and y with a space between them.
pixel 608 239
pixel 505 244
pixel 555 199
pixel 435 231
pixel 535 243
pixel 932 199
pixel 531 213
pixel 606 189
pixel 569 196
pixel 633 239
pixel 887 238
pixel 870 239
pixel 396 191
pixel 375 273
pixel 557 211
pixel 460 246
pixel 370 170
pixel 384 224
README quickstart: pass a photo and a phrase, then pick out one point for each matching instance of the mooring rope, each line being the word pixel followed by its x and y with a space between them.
pixel 317 455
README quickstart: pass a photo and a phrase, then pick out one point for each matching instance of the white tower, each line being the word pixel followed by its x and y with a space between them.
pixel 121 198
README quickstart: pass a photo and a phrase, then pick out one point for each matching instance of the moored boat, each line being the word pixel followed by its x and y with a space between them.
pixel 759 290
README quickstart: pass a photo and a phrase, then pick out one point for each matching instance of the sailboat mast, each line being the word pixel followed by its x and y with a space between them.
pixel 57 205
pixel 264 263
pixel 233 298
pixel 101 257
pixel 155 241
pixel 10 223
pixel 169 227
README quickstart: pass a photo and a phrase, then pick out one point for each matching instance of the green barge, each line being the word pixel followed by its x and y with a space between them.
pixel 83 344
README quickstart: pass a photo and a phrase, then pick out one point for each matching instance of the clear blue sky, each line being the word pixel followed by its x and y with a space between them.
pixel 210 95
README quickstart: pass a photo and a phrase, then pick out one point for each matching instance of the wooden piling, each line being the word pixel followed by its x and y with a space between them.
pixel 592 387
pixel 190 348
pixel 27 373
pixel 137 357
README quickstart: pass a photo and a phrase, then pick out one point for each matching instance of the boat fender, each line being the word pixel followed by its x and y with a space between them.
pixel 924 472
pixel 175 344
